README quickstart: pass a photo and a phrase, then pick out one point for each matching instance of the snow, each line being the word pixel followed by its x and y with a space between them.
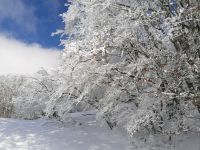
pixel 38 135
pixel 85 134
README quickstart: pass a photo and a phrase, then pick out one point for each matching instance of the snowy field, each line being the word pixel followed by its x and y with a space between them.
pixel 35 135
pixel 85 134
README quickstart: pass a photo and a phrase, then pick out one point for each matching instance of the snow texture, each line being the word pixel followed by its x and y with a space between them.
pixel 85 134
pixel 42 134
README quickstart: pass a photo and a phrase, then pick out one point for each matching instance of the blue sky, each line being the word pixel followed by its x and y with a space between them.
pixel 26 27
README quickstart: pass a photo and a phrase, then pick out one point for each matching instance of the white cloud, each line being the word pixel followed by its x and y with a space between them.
pixel 17 57
pixel 19 13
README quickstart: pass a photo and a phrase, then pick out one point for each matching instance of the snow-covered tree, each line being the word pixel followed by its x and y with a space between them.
pixel 34 95
pixel 9 89
pixel 137 62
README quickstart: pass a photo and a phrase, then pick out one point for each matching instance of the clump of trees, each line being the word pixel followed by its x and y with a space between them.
pixel 136 62
pixel 34 95
pixel 9 89
pixel 25 96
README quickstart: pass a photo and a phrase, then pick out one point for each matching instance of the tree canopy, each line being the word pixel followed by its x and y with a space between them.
pixel 137 62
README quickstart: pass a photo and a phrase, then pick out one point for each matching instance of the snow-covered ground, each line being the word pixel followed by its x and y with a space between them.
pixel 85 134
pixel 35 135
